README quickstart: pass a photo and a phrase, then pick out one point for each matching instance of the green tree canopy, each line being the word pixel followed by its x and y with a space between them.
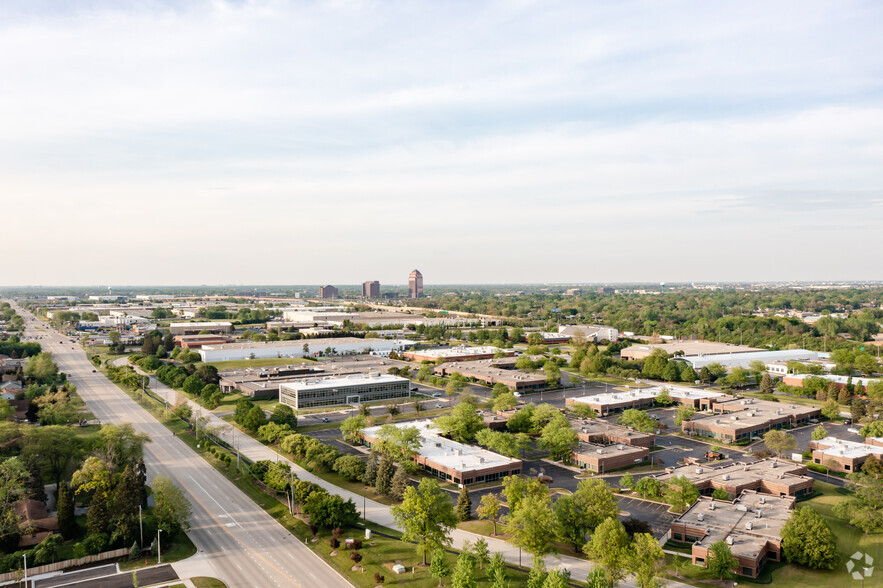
pixel 426 516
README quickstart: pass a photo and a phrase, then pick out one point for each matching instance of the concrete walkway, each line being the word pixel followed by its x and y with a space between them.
pixel 375 512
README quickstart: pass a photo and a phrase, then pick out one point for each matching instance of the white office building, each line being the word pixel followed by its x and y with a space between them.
pixel 345 391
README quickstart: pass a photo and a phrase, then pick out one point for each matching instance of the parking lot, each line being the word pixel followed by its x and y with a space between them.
pixel 656 515
pixel 804 435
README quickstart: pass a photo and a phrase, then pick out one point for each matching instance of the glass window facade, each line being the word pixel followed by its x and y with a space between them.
pixel 338 393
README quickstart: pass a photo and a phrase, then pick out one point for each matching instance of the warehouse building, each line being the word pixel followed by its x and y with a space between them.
pixel 452 461
pixel 690 347
pixel 215 327
pixel 744 360
pixel 596 333
pixel 843 456
pixel 839 381
pixel 197 341
pixel 346 391
pixel 751 525
pixel 770 476
pixel 301 348
pixel 457 353
pixel 741 419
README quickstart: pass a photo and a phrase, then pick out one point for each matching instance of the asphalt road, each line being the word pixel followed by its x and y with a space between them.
pixel 239 542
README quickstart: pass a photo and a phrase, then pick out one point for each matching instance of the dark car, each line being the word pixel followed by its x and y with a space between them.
pixel 325 420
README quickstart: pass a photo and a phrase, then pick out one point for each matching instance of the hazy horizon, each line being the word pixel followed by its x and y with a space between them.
pixel 271 142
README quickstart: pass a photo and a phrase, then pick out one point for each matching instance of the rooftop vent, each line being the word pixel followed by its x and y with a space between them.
pixel 700 516
pixel 749 525
pixel 620 447
pixel 729 539
pixel 726 477
pixel 762 500
pixel 699 470
pixel 711 506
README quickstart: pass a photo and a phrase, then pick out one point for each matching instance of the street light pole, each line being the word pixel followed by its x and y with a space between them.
pixel 26 569
pixel 158 547
pixel 141 525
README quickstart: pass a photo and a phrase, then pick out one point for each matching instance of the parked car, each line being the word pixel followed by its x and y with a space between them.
pixel 325 420
pixel 439 406
pixel 415 389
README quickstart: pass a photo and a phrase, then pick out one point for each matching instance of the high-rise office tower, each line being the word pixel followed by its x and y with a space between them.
pixel 415 284
pixel 371 289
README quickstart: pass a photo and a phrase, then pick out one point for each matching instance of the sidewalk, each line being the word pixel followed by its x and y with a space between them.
pixel 375 512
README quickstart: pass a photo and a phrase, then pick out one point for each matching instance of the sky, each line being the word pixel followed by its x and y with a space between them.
pixel 267 142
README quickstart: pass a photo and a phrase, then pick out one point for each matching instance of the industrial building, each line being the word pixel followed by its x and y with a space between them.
pixel 741 419
pixel 744 360
pixel 452 461
pixel 839 381
pixel 844 456
pixel 613 402
pixel 343 391
pixel 751 525
pixel 301 348
pixel 596 333
pixel 415 284
pixel 770 476
pixel 371 289
pixel 489 374
pixel 197 341
pixel 689 348
pixel 214 327
pixel 265 382
pixel 458 353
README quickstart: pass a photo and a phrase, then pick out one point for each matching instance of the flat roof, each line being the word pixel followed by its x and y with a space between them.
pixel 459 351
pixel 203 324
pixel 676 392
pixel 750 412
pixel 850 449
pixel 739 473
pixel 489 371
pixel 722 519
pixel 337 381
pixel 599 427
pixel 689 348
pixel 604 451
pixel 737 359
pixel 313 343
pixel 834 378
pixel 448 453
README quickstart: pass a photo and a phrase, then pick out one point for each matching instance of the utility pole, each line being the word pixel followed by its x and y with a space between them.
pixel 158 547
pixel 141 525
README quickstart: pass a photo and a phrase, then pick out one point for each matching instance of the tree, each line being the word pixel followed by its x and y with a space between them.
pixel 583 411
pixel 481 553
pixel 516 488
pixel 579 514
pixel 872 429
pixel 556 579
pixel 720 494
pixel 464 505
pixel 193 385
pixel 864 509
pixel 94 477
pixel 681 493
pixel 637 419
pixel 532 525
pixel 807 540
pixel 779 441
pixel 499 389
pixel 13 477
pixel 489 509
pixel 496 572
pixel 596 578
pixel 721 561
pixel 505 401
pixel 664 397
pixel 464 571
pixel 34 485
pixel 537 575
pixel 649 488
pixel 400 443
pixel 559 438
pixel 645 561
pixel 857 409
pixel 352 428
pixel 370 477
pixel 439 567
pixel 255 419
pixel 627 481
pixel 766 384
pixel 552 372
pixel 684 413
pixel 350 467
pixel 426 517
pixel 609 546
pixel 831 408
pixel 41 369
pixel 462 424
pixel 503 443
pixel 172 510
pixel 67 524
pixel 399 483
pixel 126 500
pixel 385 472
pixel 330 511
pixel 819 433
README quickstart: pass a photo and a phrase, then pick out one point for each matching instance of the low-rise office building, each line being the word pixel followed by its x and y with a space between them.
pixel 599 458
pixel 452 461
pixel 614 402
pixel 457 353
pixel 751 525
pixel 197 341
pixel 264 382
pixel 302 348
pixel 487 372
pixel 839 381
pixel 604 433
pixel 843 456
pixel 689 347
pixel 213 327
pixel 741 419
pixel 770 476
pixel 596 333
pixel 343 391
pixel 744 360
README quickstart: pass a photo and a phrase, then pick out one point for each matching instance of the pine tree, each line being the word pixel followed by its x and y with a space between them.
pixel 370 477
pixel 766 384
pixel 126 499
pixel 399 483
pixel 383 484
pixel 497 571
pixel 66 522
pixel 141 471
pixel 464 505
pixel 98 516
pixel 34 485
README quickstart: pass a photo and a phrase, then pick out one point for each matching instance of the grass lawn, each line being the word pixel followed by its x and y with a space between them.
pixel 180 548
pixel 265 362
pixel 203 582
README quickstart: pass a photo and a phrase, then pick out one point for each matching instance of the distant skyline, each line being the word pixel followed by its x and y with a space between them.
pixel 480 142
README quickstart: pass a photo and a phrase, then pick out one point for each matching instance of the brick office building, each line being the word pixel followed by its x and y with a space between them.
pixel 770 476
pixel 741 419
pixel 604 433
pixel 843 456
pixel 751 525
pixel 604 458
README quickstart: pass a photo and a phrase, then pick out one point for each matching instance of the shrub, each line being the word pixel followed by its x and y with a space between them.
pixel 378 578
pixel 337 532
pixel 356 556
pixel 314 529
pixel 334 542
pixel 95 543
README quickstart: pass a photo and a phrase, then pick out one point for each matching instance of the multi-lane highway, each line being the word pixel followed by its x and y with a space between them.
pixel 237 541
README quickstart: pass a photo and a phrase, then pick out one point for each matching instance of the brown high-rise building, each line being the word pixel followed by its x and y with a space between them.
pixel 371 289
pixel 415 284
pixel 327 292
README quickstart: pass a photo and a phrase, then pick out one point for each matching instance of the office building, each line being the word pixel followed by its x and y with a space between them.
pixel 346 391
pixel 751 525
pixel 599 458
pixel 452 461
pixel 327 292
pixel 596 333
pixel 769 476
pixel 302 348
pixel 216 327
pixel 371 289
pixel 840 455
pixel 604 433
pixel 741 419
pixel 457 353
pixel 613 402
pixel 415 284
pixel 486 372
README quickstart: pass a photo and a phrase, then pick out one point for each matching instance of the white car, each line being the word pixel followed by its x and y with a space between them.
pixel 517 394
pixel 853 431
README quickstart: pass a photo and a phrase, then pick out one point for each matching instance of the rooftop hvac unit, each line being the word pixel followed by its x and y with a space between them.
pixel 762 500
pixel 729 539
pixel 741 508
pixel 773 464
pixel 726 477
pixel 601 451
pixel 700 516
pixel 480 460
pixel 699 470
pixel 758 513
pixel 438 444
pixel 620 447
pixel 734 418
pixel 711 506
pixel 749 525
